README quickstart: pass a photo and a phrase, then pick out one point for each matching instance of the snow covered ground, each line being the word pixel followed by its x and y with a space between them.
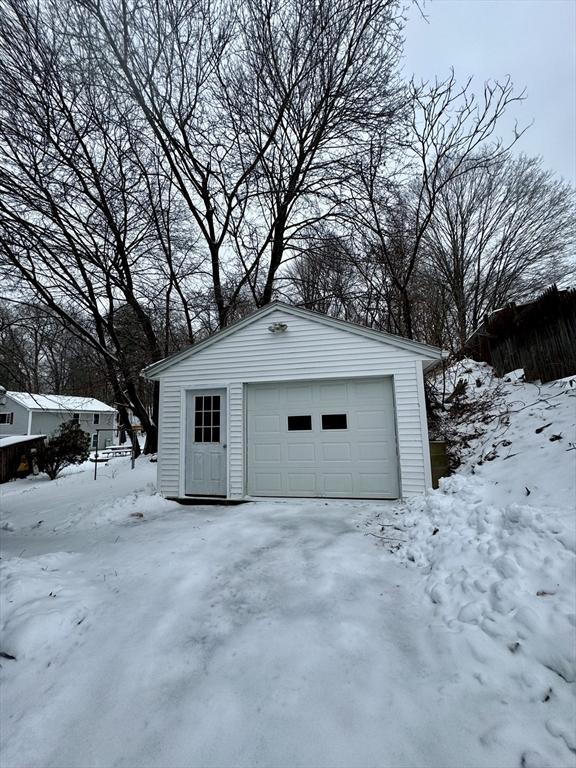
pixel 496 546
pixel 146 633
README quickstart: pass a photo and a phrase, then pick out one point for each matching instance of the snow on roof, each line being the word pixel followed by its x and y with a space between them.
pixel 69 403
pixel 15 439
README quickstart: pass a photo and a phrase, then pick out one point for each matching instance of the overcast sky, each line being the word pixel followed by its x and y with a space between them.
pixel 534 41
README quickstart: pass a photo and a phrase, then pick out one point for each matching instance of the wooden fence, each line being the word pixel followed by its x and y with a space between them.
pixel 539 337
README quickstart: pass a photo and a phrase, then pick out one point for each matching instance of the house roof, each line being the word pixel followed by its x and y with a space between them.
pixel 425 351
pixel 69 403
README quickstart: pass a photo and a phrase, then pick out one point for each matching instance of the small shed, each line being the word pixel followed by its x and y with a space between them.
pixel 26 413
pixel 15 448
pixel 292 403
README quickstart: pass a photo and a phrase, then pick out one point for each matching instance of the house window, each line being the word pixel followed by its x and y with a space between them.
pixel 96 418
pixel 7 418
pixel 75 417
pixel 207 419
pixel 95 440
pixel 299 423
pixel 334 421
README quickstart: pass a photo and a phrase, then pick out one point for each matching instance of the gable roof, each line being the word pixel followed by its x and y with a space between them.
pixel 69 403
pixel 425 351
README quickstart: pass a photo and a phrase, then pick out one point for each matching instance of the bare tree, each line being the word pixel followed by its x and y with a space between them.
pixel 323 278
pixel 251 109
pixel 78 220
pixel 21 341
pixel 332 66
pixel 450 133
pixel 499 233
pixel 39 354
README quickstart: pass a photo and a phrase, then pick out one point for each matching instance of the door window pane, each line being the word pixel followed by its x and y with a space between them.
pixel 299 423
pixel 207 419
pixel 334 421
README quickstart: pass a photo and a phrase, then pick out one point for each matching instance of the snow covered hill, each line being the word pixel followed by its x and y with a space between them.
pixel 496 545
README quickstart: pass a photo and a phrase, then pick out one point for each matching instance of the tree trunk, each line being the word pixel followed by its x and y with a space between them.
pixel 151 444
pixel 276 255
pixel 406 314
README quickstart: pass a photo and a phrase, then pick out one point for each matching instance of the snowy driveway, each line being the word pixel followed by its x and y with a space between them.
pixel 273 635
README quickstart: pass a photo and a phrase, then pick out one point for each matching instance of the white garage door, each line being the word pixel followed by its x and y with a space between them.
pixel 329 438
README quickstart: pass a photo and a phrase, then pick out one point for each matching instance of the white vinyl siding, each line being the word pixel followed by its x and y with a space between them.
pixel 308 350
pixel 17 423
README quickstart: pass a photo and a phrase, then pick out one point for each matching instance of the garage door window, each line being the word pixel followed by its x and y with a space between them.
pixel 207 419
pixel 299 423
pixel 334 421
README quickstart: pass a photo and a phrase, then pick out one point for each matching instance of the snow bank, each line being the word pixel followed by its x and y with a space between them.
pixel 519 436
pixel 510 571
pixel 43 605
pixel 75 501
pixel 497 547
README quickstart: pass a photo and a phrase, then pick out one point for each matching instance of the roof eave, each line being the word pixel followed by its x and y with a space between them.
pixel 15 400
pixel 65 410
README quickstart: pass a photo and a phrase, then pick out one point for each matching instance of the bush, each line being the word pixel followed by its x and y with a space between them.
pixel 68 445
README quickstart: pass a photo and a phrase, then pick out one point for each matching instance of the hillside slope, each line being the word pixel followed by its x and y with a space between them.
pixel 497 546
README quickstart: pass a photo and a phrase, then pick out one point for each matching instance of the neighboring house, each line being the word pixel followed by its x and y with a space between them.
pixel 289 402
pixel 22 413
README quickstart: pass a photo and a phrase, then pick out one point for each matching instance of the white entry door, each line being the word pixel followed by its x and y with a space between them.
pixel 334 438
pixel 206 443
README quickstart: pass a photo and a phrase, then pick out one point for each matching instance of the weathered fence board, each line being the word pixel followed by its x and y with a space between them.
pixel 539 337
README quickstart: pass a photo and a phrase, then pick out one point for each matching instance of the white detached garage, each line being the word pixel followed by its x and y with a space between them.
pixel 289 402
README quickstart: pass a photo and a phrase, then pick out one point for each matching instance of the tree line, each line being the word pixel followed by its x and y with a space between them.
pixel 165 168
